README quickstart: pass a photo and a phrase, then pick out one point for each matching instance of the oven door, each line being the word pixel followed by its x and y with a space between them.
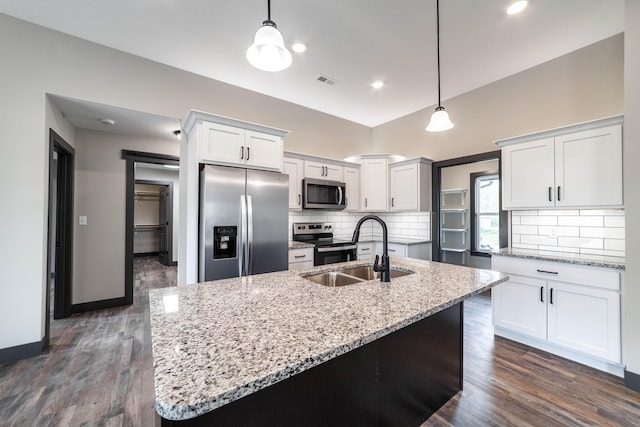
pixel 332 254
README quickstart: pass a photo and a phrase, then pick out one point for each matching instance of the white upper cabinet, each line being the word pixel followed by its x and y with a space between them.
pixel 221 140
pixel 410 185
pixel 578 166
pixel 588 168
pixel 320 170
pixel 375 184
pixel 352 181
pixel 294 168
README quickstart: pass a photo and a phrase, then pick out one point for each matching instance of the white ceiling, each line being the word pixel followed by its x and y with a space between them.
pixel 351 41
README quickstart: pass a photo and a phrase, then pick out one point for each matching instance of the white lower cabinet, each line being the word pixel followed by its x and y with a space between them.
pixel 366 250
pixel 300 259
pixel 566 309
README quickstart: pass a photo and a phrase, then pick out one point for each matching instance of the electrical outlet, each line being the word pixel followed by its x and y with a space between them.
pixel 82 220
pixel 553 232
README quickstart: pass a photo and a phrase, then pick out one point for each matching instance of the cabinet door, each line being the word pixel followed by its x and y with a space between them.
pixel 404 187
pixel 366 251
pixel 520 306
pixel 352 181
pixel 323 171
pixel 293 168
pixel 397 249
pixel 528 174
pixel 375 185
pixel 263 151
pixel 221 144
pixel 585 319
pixel 588 168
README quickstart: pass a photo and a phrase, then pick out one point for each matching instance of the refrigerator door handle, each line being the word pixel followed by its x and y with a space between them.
pixel 249 261
pixel 243 237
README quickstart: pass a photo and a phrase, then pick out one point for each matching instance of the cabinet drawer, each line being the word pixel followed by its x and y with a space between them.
pixel 366 250
pixel 397 249
pixel 300 255
pixel 548 270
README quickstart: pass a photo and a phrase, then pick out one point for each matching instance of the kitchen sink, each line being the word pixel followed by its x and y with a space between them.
pixel 350 276
pixel 333 278
pixel 367 273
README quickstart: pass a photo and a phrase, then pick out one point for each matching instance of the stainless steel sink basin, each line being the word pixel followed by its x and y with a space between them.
pixel 349 276
pixel 333 278
pixel 367 273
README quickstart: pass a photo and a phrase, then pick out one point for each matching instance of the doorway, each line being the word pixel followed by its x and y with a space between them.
pixel 153 220
pixel 132 158
pixel 468 221
pixel 60 226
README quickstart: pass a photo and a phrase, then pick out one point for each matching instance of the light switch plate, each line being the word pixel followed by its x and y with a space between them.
pixel 82 220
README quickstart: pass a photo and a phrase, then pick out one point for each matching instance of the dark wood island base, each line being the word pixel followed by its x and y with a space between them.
pixel 400 379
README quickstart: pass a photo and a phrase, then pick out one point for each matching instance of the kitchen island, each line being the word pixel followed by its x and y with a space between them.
pixel 278 349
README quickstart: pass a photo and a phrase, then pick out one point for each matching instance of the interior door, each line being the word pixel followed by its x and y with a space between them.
pixel 165 210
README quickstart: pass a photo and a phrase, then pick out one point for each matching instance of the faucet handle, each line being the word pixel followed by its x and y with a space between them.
pixel 376 267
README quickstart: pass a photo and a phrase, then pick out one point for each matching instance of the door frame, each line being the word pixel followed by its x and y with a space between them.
pixel 64 198
pixel 436 184
pixel 169 185
pixel 131 158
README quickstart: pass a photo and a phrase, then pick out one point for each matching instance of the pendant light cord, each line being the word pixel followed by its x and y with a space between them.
pixel 437 44
pixel 268 10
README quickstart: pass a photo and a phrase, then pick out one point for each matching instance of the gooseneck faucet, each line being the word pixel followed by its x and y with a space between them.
pixel 384 268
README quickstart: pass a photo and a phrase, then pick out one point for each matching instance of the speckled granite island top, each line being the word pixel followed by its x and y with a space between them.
pixel 568 258
pixel 216 342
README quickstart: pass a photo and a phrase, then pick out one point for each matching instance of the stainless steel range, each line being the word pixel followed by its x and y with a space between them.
pixel 327 249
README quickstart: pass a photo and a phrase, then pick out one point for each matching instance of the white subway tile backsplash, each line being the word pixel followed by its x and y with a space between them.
pixel 538 220
pixel 584 221
pixel 525 229
pixel 614 221
pixel 585 231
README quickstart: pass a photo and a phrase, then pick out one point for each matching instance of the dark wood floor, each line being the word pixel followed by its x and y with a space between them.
pixel 98 372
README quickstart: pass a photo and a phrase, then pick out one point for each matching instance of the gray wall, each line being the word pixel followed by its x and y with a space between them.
pixel 584 85
pixel 98 262
pixel 631 302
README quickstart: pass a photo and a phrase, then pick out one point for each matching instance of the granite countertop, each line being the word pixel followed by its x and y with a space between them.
pixel 299 245
pixel 216 342
pixel 569 258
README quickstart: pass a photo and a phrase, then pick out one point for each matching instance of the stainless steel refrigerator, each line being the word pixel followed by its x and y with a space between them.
pixel 243 222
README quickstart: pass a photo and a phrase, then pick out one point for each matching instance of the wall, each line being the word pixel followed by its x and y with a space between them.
pixel 98 262
pixel 166 175
pixel 37 61
pixel 584 85
pixel 631 302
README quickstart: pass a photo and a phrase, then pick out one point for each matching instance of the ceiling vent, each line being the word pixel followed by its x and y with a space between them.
pixel 326 80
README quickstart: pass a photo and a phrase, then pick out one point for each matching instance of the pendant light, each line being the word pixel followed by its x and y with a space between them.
pixel 440 118
pixel 268 53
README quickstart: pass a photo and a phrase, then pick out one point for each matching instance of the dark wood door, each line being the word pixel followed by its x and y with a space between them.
pixel 165 207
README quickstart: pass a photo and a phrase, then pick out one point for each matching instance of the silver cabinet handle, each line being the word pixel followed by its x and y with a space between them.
pixel 550 190
pixel 300 256
pixel 299 199
pixel 241 153
pixel 392 201
pixel 391 250
pixel 558 193
pixel 365 249
pixel 248 153
pixel 365 202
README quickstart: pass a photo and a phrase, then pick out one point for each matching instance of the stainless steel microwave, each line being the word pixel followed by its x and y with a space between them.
pixel 323 194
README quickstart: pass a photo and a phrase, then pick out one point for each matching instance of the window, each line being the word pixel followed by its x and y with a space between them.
pixel 485 224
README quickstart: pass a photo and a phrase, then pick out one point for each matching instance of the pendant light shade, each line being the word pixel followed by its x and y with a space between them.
pixel 440 118
pixel 439 121
pixel 268 52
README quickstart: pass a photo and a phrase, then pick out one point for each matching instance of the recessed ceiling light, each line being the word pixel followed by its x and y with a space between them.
pixel 377 84
pixel 516 7
pixel 108 122
pixel 299 47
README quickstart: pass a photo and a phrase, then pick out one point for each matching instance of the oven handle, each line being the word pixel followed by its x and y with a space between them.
pixel 337 248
